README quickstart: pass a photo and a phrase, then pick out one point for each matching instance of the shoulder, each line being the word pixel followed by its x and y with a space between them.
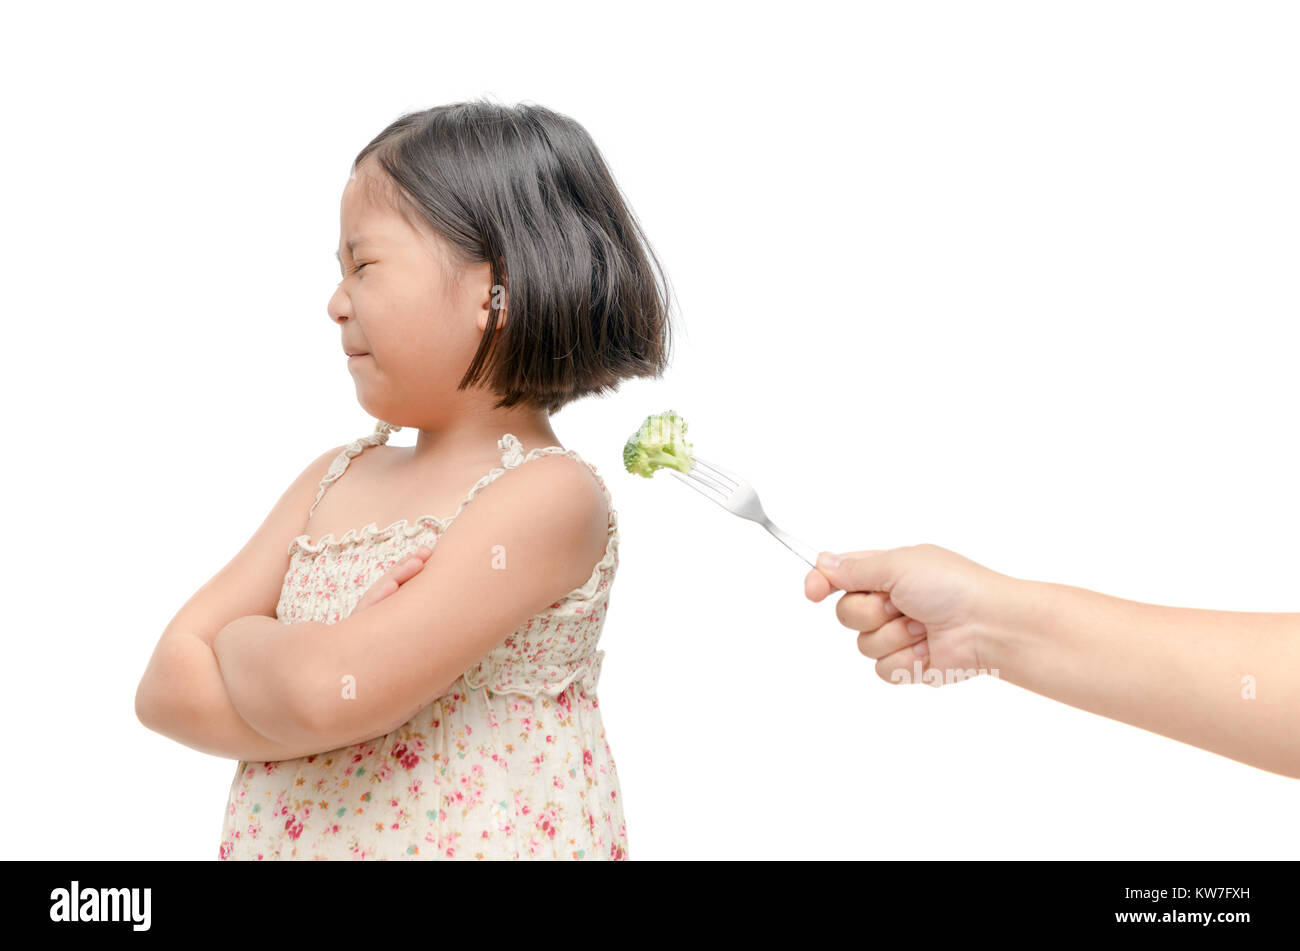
pixel 562 494
pixel 333 462
pixel 565 479
pixel 297 499
pixel 318 468
pixel 549 512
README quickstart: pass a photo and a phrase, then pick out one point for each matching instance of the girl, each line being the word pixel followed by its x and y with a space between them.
pixel 427 690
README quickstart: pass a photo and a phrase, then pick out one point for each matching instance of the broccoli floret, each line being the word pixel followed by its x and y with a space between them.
pixel 659 443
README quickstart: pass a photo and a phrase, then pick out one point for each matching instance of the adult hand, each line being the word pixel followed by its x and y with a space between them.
pixel 921 604
pixel 394 578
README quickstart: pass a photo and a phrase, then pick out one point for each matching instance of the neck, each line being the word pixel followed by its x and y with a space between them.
pixel 476 431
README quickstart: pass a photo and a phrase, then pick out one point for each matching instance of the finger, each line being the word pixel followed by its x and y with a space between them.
pixel 820 582
pixel 406 570
pixel 873 570
pixel 906 666
pixel 865 610
pixel 894 636
pixel 815 586
pixel 378 591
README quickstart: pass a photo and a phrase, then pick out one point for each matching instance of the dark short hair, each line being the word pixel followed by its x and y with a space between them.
pixel 526 189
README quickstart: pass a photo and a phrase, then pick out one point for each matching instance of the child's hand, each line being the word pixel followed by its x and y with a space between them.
pixel 921 603
pixel 394 578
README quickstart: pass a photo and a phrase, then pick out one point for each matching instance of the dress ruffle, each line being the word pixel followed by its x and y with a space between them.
pixel 512 457
pixel 493 673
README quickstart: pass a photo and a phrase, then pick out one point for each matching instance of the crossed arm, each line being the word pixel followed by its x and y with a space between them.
pixel 266 690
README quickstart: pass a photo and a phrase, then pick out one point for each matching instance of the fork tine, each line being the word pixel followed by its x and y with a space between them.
pixel 705 478
pixel 717 472
pixel 707 491
pixel 702 487
pixel 700 481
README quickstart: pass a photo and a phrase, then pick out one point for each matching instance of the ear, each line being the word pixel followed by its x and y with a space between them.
pixel 497 296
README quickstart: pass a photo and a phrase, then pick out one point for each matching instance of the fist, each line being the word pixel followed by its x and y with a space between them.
pixel 914 609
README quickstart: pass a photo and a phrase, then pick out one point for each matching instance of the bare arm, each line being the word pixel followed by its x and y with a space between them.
pixel 204 718
pixel 210 722
pixel 1225 681
pixel 259 659
pixel 182 694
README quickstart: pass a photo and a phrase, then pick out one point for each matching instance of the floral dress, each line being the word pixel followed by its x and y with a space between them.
pixel 511 762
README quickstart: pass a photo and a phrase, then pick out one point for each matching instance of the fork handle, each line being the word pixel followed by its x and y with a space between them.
pixel 792 543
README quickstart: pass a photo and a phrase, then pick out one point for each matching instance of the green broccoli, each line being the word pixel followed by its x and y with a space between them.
pixel 659 443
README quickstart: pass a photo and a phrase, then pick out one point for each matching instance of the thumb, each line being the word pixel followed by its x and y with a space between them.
pixel 857 570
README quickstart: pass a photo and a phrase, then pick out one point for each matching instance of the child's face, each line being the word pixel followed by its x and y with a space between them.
pixel 401 303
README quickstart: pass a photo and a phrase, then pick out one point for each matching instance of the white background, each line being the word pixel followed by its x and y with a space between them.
pixel 1017 279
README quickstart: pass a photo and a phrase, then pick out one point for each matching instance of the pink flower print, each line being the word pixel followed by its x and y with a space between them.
pixel 293 827
pixel 226 849
pixel 405 756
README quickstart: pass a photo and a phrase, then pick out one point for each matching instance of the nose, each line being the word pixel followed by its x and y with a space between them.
pixel 339 307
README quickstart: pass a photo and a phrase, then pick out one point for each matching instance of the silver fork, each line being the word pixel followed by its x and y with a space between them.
pixel 738 497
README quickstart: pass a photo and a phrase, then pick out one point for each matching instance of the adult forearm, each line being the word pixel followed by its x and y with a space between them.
pixel 195 710
pixel 1225 681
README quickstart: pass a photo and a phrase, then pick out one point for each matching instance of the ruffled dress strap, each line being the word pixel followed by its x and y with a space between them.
pixel 350 451
pixel 513 456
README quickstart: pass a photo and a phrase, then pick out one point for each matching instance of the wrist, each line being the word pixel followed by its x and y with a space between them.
pixel 1015 624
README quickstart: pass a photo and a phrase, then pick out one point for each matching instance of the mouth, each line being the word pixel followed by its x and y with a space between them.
pixel 352 356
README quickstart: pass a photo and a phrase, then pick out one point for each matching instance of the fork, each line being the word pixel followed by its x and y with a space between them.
pixel 738 497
